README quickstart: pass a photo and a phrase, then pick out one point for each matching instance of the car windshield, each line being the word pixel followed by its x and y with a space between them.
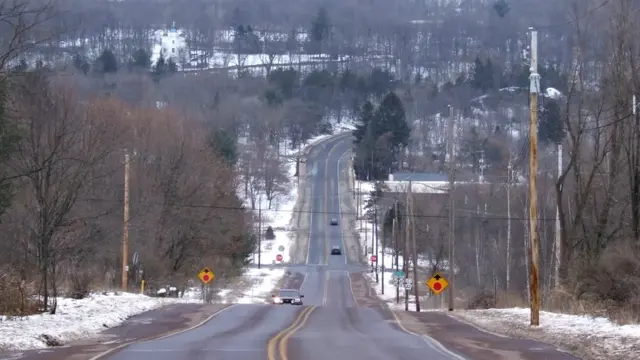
pixel 336 247
pixel 288 293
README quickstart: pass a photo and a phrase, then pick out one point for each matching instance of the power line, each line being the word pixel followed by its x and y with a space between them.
pixel 415 215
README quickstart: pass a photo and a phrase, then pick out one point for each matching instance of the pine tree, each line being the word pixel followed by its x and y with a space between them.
pixel 364 118
pixel 551 127
pixel 107 62
pixel 140 59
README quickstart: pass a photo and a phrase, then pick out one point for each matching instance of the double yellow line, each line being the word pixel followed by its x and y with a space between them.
pixel 279 342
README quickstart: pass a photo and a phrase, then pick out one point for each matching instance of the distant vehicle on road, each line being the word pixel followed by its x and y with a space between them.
pixel 287 296
pixel 334 221
pixel 336 250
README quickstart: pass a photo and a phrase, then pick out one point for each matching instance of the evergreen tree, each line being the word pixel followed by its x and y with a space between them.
pixel 269 233
pixel 501 7
pixel 224 143
pixel 140 59
pixel 364 118
pixel 107 62
pixel 172 67
pixel 390 117
pixel 551 127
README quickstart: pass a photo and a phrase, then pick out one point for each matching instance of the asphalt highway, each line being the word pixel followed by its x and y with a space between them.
pixel 332 324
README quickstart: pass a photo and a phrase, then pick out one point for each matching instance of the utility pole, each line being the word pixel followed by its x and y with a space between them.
pixel 533 170
pixel 125 229
pixel 405 257
pixel 259 232
pixel 415 254
pixel 396 247
pixel 557 239
pixel 382 258
pixel 375 236
pixel 509 172
pixel 452 169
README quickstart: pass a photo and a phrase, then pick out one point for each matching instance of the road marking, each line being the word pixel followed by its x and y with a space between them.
pixel 271 345
pixel 428 340
pixel 344 247
pixel 326 196
pixel 285 339
pixel 310 219
pixel 304 280
pixel 105 353
pixel 327 274
pixel 355 301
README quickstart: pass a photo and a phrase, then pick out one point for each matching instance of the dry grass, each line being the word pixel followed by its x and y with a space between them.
pixel 16 297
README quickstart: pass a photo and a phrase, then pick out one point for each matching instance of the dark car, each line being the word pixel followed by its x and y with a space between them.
pixel 336 250
pixel 334 221
pixel 287 296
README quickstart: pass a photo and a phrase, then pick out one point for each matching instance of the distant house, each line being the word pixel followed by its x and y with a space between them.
pixel 172 44
pixel 429 182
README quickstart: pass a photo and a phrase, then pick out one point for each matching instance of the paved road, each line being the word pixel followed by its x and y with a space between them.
pixel 340 319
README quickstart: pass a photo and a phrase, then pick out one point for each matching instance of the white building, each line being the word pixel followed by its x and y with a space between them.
pixel 172 45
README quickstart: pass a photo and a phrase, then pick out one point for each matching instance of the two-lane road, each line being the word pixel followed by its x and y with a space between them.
pixel 332 324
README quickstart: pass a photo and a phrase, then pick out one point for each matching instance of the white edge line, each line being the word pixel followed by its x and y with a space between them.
pixel 355 301
pixel 310 220
pixel 122 346
pixel 303 282
pixel 428 339
pixel 346 254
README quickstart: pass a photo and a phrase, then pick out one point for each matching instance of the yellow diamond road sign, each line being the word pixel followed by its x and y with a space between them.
pixel 437 283
pixel 206 276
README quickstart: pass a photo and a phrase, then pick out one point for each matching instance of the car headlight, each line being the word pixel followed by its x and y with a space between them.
pixel 277 300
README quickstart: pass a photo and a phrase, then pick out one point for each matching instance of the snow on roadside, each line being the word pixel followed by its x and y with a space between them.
pixel 364 228
pixel 594 337
pixel 76 319
pixel 263 282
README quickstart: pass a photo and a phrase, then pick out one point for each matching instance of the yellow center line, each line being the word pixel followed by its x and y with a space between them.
pixel 271 346
pixel 326 287
pixel 285 339
pixel 326 205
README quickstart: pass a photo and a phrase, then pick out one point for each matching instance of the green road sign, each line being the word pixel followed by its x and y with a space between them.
pixel 398 274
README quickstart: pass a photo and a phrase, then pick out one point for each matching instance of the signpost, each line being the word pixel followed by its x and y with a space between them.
pixel 278 257
pixel 437 283
pixel 206 276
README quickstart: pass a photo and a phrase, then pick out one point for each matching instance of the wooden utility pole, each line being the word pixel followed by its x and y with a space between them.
pixel 452 169
pixel 405 252
pixel 415 253
pixel 394 228
pixel 533 170
pixel 509 172
pixel 259 232
pixel 125 229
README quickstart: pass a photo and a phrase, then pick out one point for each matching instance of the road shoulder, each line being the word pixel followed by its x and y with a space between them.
pixel 148 325
pixel 469 341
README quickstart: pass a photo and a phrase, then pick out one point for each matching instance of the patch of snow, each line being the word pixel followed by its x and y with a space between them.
pixel 552 93
pixel 77 319
pixel 597 336
pixel 263 282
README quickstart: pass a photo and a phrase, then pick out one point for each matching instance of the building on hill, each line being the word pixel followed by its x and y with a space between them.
pixel 172 45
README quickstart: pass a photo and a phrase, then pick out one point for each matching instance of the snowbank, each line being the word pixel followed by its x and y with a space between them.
pixel 593 337
pixel 76 319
